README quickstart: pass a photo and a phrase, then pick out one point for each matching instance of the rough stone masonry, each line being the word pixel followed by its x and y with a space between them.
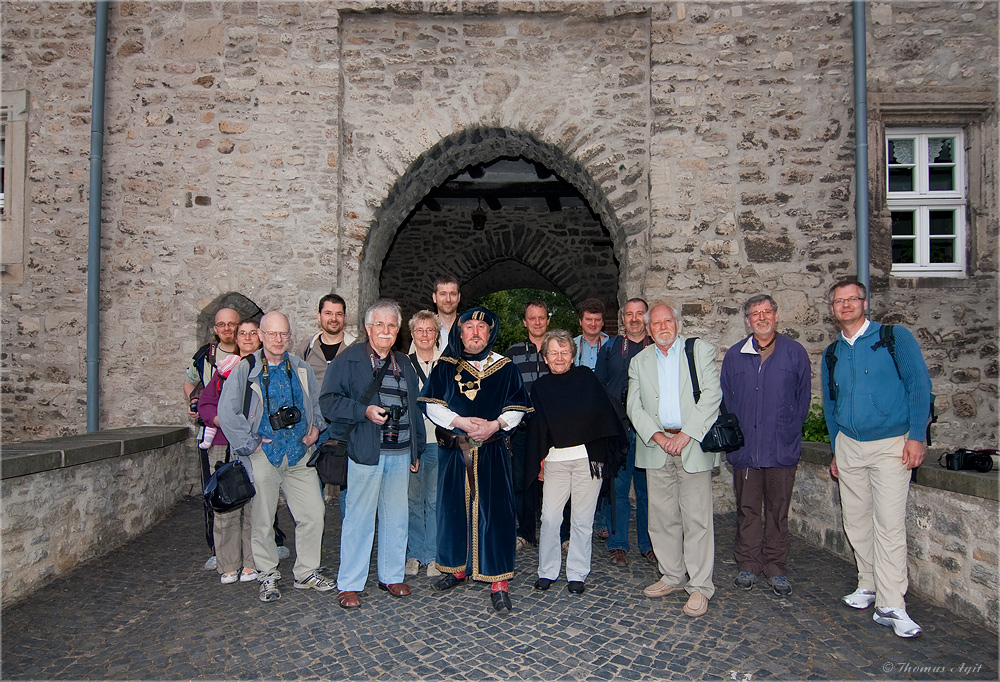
pixel 276 151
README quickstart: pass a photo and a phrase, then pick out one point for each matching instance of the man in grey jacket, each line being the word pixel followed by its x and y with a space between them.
pixel 276 434
pixel 331 339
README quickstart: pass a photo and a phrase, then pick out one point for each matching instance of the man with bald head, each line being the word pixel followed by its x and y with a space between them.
pixel 199 373
pixel 277 432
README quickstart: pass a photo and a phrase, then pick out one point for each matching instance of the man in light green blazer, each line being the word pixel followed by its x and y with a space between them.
pixel 669 426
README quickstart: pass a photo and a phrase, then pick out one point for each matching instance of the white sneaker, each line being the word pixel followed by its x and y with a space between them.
pixel 283 552
pixel 211 564
pixel 248 575
pixel 859 599
pixel 432 570
pixel 412 566
pixel 229 578
pixel 897 619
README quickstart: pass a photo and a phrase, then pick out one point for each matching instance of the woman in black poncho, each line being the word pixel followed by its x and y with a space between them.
pixel 576 443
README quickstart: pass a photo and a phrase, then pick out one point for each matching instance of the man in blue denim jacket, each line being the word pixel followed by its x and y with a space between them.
pixel 765 382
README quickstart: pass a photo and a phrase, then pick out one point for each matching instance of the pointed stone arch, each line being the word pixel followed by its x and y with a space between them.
pixel 473 264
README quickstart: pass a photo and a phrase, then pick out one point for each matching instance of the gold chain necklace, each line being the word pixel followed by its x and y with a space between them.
pixel 470 389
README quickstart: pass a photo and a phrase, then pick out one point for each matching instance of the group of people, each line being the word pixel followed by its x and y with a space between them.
pixel 482 445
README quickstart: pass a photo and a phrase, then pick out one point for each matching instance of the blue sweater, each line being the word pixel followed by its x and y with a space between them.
pixel 872 403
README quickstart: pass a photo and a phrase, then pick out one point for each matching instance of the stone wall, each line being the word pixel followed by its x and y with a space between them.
pixel 952 527
pixel 562 251
pixel 276 149
pixel 58 513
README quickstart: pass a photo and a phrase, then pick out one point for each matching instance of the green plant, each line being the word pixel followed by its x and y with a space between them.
pixel 814 428
pixel 508 305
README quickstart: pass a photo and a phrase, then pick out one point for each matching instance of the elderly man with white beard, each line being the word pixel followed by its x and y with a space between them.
pixel 370 392
pixel 669 425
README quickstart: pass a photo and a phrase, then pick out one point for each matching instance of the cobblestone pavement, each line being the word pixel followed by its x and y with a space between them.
pixel 149 611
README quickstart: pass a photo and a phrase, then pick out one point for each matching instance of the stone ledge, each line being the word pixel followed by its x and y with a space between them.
pixel 931 475
pixel 32 457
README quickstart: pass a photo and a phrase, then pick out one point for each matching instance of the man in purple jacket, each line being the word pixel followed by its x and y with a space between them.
pixel 765 381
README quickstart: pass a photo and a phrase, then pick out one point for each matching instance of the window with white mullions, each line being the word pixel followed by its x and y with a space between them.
pixel 925 178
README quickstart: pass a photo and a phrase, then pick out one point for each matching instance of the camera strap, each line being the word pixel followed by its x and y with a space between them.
pixel 266 380
pixel 367 395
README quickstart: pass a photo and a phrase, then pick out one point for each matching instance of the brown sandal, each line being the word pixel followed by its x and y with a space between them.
pixel 348 600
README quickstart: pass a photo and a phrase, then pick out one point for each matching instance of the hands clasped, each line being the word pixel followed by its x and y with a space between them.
pixel 477 428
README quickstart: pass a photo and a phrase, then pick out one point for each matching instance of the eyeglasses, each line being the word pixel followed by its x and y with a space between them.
pixel 851 300
pixel 760 313
pixel 425 330
pixel 392 326
pixel 249 333
pixel 276 335
pixel 226 325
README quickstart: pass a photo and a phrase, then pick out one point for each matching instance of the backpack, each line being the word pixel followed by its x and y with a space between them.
pixel 886 339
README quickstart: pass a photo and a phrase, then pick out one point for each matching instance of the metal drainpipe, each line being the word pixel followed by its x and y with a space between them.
pixel 94 243
pixel 861 141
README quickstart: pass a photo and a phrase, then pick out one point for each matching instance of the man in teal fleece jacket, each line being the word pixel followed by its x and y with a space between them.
pixel 877 418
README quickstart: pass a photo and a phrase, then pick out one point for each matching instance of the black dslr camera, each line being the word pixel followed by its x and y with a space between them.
pixel 284 417
pixel 390 429
pixel 980 460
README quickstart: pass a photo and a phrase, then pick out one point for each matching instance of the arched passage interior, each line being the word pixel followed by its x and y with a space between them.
pixel 532 237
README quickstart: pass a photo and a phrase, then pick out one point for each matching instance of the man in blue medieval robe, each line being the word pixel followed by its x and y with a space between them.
pixel 476 399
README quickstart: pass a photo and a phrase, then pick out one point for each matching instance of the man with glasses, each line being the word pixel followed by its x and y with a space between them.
pixel 765 383
pixel 669 426
pixel 199 373
pixel 370 394
pixel 278 432
pixel 877 403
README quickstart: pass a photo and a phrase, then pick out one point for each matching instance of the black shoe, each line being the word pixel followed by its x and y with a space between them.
pixel 543 583
pixel 501 600
pixel 448 581
pixel 576 586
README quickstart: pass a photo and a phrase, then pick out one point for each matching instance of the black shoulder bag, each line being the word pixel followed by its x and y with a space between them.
pixel 725 434
pixel 330 458
pixel 230 486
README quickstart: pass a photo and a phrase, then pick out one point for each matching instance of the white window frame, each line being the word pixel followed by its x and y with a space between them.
pixel 921 200
pixel 13 222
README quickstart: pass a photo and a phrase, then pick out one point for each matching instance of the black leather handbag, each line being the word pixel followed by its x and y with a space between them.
pixel 229 487
pixel 725 434
pixel 330 462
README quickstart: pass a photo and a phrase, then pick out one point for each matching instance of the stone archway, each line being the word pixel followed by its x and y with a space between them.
pixel 576 251
pixel 247 309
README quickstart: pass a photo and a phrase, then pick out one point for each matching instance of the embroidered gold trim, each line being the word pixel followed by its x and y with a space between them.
pixel 475 512
pixel 436 401
pixel 470 389
pixel 476 575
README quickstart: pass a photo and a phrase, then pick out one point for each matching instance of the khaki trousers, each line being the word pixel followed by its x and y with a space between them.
pixel 233 548
pixel 874 484
pixel 681 527
pixel 305 502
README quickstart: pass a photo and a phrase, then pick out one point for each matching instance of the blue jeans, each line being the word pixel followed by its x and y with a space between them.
pixel 422 542
pixel 377 488
pixel 627 475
